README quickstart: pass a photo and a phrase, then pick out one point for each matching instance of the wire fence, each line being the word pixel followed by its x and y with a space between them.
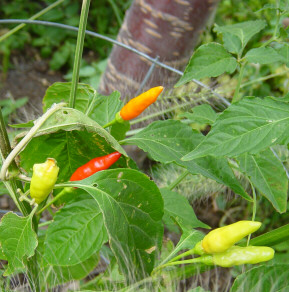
pixel 154 60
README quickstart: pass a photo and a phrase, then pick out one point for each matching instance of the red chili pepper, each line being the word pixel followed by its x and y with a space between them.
pixel 95 165
pixel 138 104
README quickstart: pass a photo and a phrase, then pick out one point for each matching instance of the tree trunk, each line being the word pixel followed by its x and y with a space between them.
pixel 168 29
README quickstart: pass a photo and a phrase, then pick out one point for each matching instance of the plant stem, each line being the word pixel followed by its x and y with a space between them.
pixel 65 191
pixel 203 259
pixel 275 29
pixel 35 16
pixel 178 180
pixel 5 146
pixel 109 123
pixel 12 185
pixel 236 94
pixel 27 138
pixel 116 12
pixel 78 51
pixel 254 209
pixel 45 223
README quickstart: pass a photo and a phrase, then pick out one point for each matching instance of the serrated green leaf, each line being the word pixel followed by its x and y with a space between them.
pixel 178 207
pixel 60 92
pixel 251 125
pixel 209 60
pixel 268 175
pixel 132 208
pixel 55 275
pixel 202 114
pixel 243 30
pixel 264 55
pixel 167 141
pixel 76 233
pixel 273 237
pixel 118 130
pixel 18 241
pixel 57 139
pixel 284 54
pixel 2 255
pixel 232 43
pixel 262 278
pixel 105 108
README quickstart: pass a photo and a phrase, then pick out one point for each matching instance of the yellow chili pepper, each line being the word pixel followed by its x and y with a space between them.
pixel 237 255
pixel 221 239
pixel 43 179
pixel 138 104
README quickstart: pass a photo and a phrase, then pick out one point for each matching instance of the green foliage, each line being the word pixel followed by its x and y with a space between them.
pixel 71 239
pixel 120 214
pixel 18 241
pixel 262 277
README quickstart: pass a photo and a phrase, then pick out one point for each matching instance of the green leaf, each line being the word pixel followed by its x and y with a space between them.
pixel 132 208
pixel 2 255
pixel 284 54
pixel 232 43
pixel 202 114
pixel 118 130
pixel 244 31
pixel 209 60
pixel 70 148
pixel 178 207
pixel 77 232
pixel 268 175
pixel 250 125
pixel 58 275
pixel 167 141
pixel 273 237
pixel 18 241
pixel 60 92
pixel 218 169
pixel 105 108
pixel 262 278
pixel 264 55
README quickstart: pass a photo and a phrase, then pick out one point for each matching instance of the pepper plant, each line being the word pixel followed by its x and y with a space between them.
pixel 116 215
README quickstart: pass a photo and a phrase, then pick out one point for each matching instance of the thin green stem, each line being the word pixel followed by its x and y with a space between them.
pixel 116 12
pixel 110 123
pixel 12 185
pixel 273 37
pixel 236 96
pixel 178 180
pixel 26 139
pixel 45 223
pixel 65 191
pixel 203 259
pixel 254 209
pixel 5 146
pixel 35 16
pixel 78 51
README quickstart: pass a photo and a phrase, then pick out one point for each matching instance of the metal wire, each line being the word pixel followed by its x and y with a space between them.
pixel 94 34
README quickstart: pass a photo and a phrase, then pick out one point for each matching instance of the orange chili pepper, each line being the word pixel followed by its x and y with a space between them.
pixel 138 104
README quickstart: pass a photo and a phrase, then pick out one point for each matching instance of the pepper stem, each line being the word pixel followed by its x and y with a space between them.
pixel 110 123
